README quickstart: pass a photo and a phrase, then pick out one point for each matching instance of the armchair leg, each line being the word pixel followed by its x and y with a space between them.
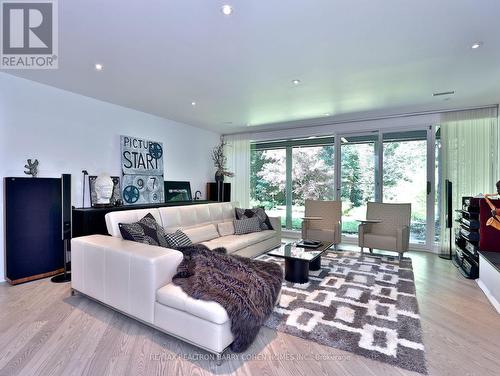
pixel 362 249
pixel 371 250
pixel 400 256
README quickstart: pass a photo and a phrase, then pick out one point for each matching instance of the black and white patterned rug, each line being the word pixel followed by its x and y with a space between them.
pixel 365 304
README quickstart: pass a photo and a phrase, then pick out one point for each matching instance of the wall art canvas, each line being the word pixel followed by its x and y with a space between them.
pixel 142 168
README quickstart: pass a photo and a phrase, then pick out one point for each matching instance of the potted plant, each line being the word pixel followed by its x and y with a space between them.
pixel 220 161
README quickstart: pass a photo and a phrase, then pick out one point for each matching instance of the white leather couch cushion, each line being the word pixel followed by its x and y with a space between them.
pixel 256 237
pixel 172 296
pixel 234 243
pixel 225 228
pixel 202 233
pixel 176 217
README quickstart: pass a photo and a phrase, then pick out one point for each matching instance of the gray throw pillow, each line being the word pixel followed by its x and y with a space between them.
pixel 246 226
pixel 146 231
pixel 178 239
pixel 265 223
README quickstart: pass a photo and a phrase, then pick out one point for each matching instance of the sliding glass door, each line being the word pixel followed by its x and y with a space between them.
pixel 405 177
pixel 283 174
pixel 268 180
pixel 358 156
pixel 312 178
pixel 390 166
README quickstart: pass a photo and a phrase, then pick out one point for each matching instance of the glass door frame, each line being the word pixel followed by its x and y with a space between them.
pixel 379 163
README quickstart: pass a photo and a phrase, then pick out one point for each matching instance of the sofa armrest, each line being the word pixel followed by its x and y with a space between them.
pixel 276 223
pixel 402 238
pixel 122 273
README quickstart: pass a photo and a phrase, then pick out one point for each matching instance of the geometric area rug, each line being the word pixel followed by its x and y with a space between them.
pixel 361 303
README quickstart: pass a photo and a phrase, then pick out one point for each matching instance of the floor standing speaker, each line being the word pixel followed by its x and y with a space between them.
pixel 33 228
pixel 65 226
pixel 448 210
pixel 219 192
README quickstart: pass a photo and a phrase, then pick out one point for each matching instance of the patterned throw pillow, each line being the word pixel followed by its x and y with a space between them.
pixel 177 239
pixel 146 231
pixel 246 226
pixel 265 223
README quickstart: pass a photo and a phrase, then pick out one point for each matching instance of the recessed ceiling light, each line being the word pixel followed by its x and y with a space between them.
pixel 327 114
pixel 296 82
pixel 476 45
pixel 226 10
pixel 193 104
pixel 99 67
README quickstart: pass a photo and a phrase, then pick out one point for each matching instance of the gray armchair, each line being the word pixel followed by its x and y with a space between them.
pixel 328 228
pixel 392 233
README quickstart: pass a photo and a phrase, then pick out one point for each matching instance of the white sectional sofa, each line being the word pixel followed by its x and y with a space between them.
pixel 136 279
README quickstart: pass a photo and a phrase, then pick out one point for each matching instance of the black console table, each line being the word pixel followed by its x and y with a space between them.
pixel 90 221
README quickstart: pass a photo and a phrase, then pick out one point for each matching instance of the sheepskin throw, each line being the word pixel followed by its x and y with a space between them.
pixel 246 288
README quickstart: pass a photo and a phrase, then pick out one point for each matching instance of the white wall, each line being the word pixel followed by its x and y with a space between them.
pixel 68 132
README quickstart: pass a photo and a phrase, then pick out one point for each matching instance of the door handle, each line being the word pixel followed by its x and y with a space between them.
pixel 429 187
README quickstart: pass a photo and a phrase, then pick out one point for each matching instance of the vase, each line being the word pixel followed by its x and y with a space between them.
pixel 219 177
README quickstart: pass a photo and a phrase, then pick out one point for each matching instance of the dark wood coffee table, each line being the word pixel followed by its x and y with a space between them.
pixel 298 261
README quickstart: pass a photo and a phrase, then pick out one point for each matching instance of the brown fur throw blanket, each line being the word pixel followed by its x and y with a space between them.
pixel 246 288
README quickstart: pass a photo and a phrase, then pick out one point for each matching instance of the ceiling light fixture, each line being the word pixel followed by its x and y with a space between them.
pixel 226 10
pixel 327 114
pixel 476 45
pixel 296 82
pixel 99 67
pixel 451 92
pixel 193 104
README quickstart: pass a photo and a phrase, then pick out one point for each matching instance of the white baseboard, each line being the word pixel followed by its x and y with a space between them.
pixel 488 294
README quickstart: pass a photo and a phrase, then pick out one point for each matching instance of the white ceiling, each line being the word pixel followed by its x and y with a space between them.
pixel 354 58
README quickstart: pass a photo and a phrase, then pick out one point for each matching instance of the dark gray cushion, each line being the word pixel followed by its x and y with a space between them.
pixel 265 223
pixel 246 226
pixel 146 231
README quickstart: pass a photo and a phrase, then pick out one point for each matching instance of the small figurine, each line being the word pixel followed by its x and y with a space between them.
pixel 32 168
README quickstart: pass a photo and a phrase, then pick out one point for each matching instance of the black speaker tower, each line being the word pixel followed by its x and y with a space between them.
pixel 66 227
pixel 448 186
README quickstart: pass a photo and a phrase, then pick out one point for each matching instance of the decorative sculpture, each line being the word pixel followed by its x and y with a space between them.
pixel 104 189
pixel 494 221
pixel 32 168
pixel 220 161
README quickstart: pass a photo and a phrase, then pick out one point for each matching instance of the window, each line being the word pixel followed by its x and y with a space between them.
pixel 284 174
pixel 405 177
pixel 268 181
pixel 358 173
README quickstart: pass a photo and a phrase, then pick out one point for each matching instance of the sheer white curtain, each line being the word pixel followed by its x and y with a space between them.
pixel 238 161
pixel 469 156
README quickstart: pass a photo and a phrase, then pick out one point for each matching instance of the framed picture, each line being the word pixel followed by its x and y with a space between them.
pixel 142 168
pixel 177 191
pixel 116 190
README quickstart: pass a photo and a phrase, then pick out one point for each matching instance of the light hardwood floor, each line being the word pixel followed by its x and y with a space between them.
pixel 45 331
